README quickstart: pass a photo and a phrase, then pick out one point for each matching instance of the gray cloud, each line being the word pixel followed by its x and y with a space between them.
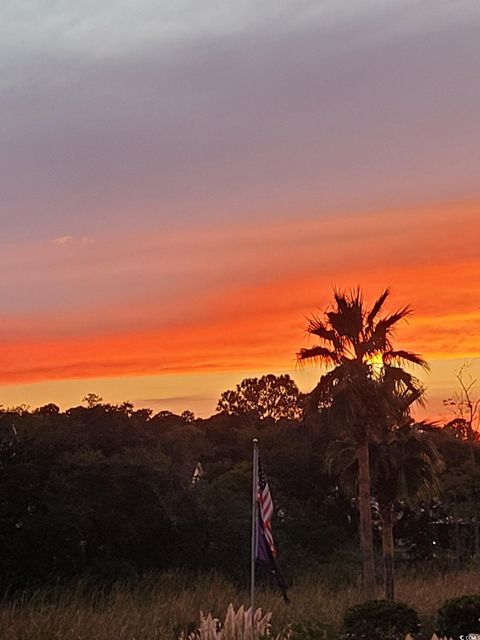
pixel 114 116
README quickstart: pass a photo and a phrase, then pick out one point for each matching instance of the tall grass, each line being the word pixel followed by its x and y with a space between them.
pixel 159 606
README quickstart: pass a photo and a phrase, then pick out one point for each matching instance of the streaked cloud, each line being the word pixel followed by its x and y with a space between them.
pixel 61 240
pixel 235 299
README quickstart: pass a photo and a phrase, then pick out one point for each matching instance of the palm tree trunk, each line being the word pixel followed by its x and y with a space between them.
pixel 388 551
pixel 476 533
pixel 365 509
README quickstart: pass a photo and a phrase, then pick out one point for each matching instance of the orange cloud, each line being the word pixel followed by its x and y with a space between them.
pixel 236 300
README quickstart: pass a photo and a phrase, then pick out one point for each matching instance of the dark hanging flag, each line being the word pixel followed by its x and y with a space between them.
pixel 266 549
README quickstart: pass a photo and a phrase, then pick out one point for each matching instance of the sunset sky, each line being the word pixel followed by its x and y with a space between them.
pixel 183 183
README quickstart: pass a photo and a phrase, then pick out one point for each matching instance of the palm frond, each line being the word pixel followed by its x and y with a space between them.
pixel 318 328
pixel 340 460
pixel 378 335
pixel 318 354
pixel 406 465
pixel 403 356
pixel 356 298
pixel 398 375
pixel 389 321
pixel 347 318
pixel 377 307
pixel 322 394
pixel 341 300
pixel 405 389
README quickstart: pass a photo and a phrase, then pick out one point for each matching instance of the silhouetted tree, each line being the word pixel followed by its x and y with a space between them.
pixel 465 405
pixel 188 416
pixel 92 400
pixel 406 464
pixel 364 391
pixel 270 396
pixel 47 409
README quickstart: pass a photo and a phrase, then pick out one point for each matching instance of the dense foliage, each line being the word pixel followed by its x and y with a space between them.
pixel 459 617
pixel 107 490
pixel 380 620
pixel 311 630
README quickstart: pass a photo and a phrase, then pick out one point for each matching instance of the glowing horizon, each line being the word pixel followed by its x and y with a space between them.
pixel 228 325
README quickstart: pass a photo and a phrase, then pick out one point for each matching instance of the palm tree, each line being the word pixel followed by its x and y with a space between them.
pixel 405 465
pixel 365 389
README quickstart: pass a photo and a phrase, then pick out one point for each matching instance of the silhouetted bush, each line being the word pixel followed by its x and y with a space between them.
pixel 310 630
pixel 459 617
pixel 380 620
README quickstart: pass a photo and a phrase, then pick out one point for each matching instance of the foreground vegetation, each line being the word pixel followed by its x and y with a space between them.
pixel 159 606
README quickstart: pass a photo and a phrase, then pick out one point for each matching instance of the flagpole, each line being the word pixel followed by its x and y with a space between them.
pixel 254 530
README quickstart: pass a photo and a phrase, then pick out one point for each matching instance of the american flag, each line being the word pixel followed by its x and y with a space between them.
pixel 265 514
pixel 266 549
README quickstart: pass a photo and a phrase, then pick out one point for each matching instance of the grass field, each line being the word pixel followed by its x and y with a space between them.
pixel 158 606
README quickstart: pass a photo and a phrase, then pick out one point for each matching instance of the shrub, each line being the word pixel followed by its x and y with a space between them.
pixel 310 630
pixel 459 616
pixel 380 620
